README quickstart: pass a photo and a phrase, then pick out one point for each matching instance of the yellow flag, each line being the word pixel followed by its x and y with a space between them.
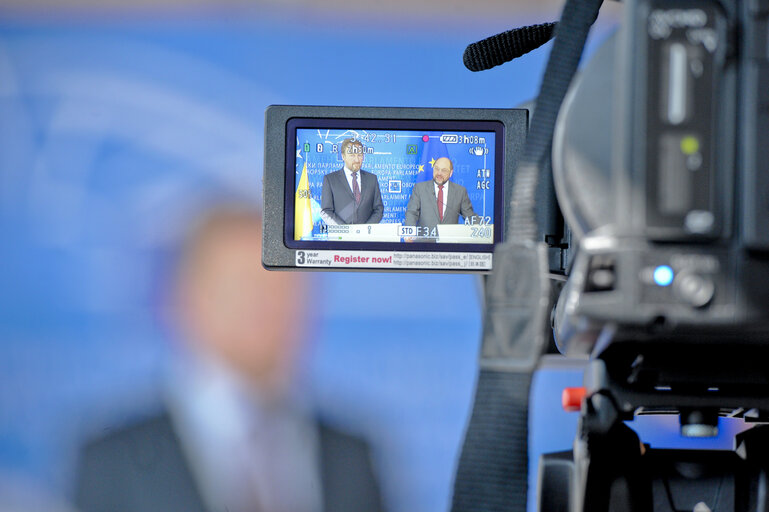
pixel 302 207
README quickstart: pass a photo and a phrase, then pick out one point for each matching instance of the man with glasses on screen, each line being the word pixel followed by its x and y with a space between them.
pixel 351 195
pixel 438 201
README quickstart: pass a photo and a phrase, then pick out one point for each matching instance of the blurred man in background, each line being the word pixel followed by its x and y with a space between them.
pixel 230 437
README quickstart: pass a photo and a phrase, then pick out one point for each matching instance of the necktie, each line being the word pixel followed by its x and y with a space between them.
pixel 355 188
pixel 440 201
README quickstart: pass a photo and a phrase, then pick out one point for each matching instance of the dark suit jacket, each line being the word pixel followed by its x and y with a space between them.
pixel 142 468
pixel 422 209
pixel 338 201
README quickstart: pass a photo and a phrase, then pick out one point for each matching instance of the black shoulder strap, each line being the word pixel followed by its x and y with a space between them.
pixel 492 474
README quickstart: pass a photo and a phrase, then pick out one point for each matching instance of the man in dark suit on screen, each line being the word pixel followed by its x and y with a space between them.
pixel 351 195
pixel 229 436
pixel 438 201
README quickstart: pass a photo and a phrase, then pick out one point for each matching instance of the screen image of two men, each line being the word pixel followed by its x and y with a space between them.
pixel 351 195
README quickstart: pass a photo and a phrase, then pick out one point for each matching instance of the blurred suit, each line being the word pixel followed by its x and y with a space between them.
pixel 231 435
pixel 172 461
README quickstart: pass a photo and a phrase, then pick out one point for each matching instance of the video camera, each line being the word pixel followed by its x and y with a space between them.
pixel 658 153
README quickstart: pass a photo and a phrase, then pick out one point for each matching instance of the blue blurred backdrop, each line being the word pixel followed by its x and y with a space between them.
pixel 114 130
pixel 115 126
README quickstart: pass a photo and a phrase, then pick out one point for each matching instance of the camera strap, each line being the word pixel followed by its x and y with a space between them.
pixel 492 473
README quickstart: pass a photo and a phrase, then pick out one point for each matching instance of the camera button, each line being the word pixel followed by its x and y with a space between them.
pixel 601 275
pixel 694 289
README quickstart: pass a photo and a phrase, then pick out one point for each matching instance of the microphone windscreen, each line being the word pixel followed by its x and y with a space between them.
pixel 504 47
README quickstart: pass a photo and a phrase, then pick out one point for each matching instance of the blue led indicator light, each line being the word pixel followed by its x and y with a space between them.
pixel 663 275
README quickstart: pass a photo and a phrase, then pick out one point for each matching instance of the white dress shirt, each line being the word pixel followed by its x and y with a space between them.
pixel 245 453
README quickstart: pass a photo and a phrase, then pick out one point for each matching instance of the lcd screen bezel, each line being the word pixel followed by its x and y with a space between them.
pixel 459 125
pixel 275 254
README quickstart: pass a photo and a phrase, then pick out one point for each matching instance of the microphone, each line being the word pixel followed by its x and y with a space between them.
pixel 506 46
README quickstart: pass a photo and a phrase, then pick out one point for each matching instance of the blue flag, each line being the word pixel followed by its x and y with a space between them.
pixel 432 150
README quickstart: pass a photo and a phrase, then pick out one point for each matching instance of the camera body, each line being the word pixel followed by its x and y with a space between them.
pixel 668 294
pixel 683 260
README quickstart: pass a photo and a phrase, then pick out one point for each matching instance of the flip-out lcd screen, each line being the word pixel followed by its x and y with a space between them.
pixel 393 182
pixel 391 189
